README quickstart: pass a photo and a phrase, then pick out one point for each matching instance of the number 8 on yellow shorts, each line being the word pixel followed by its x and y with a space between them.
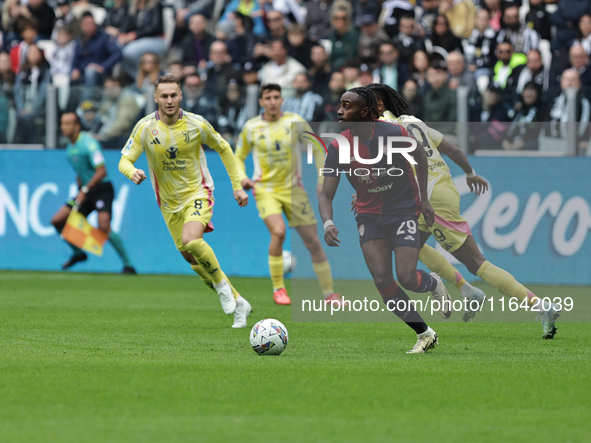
pixel 293 202
pixel 199 210
pixel 450 228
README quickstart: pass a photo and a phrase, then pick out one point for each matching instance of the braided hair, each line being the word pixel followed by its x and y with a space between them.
pixel 393 102
pixel 370 99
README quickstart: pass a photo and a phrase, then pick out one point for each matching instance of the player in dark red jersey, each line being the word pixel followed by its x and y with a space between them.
pixel 388 207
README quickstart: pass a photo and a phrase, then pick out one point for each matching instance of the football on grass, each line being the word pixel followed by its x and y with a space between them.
pixel 289 262
pixel 268 337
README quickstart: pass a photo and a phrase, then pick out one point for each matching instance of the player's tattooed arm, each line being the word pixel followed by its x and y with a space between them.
pixel 420 157
pixel 329 188
pixel 477 184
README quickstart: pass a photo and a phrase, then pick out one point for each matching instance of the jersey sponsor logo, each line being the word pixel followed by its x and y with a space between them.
pixel 172 152
pixel 155 141
pixel 365 179
pixel 380 188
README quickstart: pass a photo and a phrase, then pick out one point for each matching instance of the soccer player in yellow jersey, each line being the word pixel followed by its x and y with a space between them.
pixel 277 188
pixel 173 141
pixel 450 229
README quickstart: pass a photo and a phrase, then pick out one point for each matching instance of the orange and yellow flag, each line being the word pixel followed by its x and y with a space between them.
pixel 82 234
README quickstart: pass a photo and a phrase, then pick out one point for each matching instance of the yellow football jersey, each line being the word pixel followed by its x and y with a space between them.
pixel 176 159
pixel 430 139
pixel 277 161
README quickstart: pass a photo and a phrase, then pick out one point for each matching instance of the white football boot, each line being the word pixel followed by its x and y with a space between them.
pixel 480 297
pixel 425 341
pixel 549 312
pixel 242 312
pixel 440 294
pixel 226 296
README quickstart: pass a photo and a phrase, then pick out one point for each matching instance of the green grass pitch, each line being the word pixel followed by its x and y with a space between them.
pixel 109 358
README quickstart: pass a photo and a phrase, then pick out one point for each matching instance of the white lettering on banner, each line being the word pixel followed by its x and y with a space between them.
pixel 501 212
pixel 34 204
pixel 26 213
pixel 575 206
pixel 17 214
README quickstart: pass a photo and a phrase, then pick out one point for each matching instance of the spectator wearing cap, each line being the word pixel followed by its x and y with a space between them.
pixel 365 7
pixel 344 39
pixel 119 113
pixel 320 71
pixel 559 115
pixel 442 41
pixel 220 69
pixel 96 54
pixel 440 102
pixel 143 31
pixel 406 42
pixel 538 19
pixel 521 36
pixel 479 47
pixel 299 45
pixel 195 101
pixel 318 19
pixel 116 17
pixel 458 74
pixel 579 61
pixel 524 129
pixel 332 97
pixel 392 11
pixel 534 72
pixel 508 61
pixel 250 74
pixel 89 116
pixel 370 39
pixel 282 69
pixel 412 96
pixel 66 18
pixel 460 14
pixel 306 103
pixel 195 45
pixel 242 41
pixel 391 71
pixel 43 14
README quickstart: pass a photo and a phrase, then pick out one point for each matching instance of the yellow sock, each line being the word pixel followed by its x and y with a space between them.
pixel 504 282
pixel 324 275
pixel 276 270
pixel 206 278
pixel 206 258
pixel 438 264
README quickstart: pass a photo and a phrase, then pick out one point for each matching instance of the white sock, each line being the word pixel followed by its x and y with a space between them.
pixel 466 290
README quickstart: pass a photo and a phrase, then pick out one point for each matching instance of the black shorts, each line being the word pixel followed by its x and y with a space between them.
pixel 100 198
pixel 400 229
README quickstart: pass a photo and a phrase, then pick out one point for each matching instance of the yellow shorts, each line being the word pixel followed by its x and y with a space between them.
pixel 293 202
pixel 450 228
pixel 199 210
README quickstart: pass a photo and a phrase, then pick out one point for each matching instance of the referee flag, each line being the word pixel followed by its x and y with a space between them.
pixel 79 232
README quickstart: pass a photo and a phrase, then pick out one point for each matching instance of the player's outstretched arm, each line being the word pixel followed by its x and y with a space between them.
pixel 476 183
pixel 127 168
pixel 420 157
pixel 329 188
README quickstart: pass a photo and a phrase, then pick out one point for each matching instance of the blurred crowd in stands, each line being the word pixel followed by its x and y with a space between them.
pixel 517 58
